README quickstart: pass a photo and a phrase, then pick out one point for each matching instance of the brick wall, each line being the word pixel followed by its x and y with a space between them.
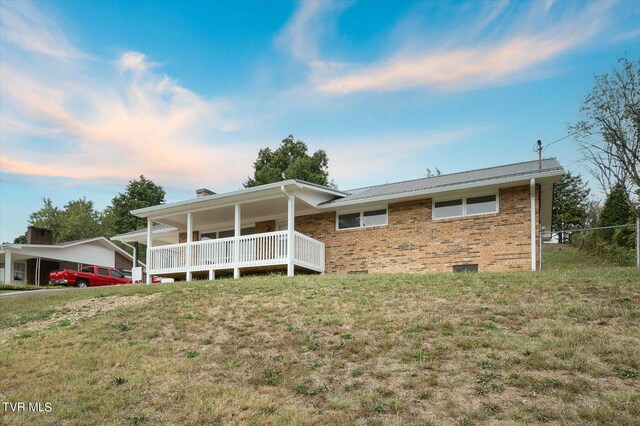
pixel 265 226
pixel 39 236
pixel 413 242
pixel 122 262
pixel 182 237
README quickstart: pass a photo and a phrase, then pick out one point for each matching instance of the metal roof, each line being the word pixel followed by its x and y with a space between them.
pixel 156 228
pixel 245 192
pixel 450 181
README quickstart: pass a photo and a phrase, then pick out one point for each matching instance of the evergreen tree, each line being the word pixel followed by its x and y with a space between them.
pixel 570 204
pixel 616 211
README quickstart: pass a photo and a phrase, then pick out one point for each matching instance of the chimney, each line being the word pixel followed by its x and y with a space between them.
pixel 39 236
pixel 203 192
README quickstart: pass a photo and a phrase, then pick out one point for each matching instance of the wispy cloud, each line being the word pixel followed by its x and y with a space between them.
pixel 25 27
pixel 502 43
pixel 311 21
pixel 105 119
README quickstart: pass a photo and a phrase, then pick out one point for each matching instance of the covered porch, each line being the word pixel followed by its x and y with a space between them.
pixel 246 231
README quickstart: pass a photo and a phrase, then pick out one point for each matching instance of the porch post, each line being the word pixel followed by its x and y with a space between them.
pixel 236 243
pixel 291 214
pixel 532 187
pixel 8 267
pixel 149 246
pixel 189 241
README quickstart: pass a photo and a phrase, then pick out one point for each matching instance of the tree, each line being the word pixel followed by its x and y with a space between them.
pixel 433 174
pixel 22 239
pixel 609 134
pixel 570 204
pixel 139 193
pixel 290 161
pixel 47 217
pixel 616 211
pixel 77 220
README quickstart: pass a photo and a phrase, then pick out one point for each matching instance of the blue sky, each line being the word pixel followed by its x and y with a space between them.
pixel 95 93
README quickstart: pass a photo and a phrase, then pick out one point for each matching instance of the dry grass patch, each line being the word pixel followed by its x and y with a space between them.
pixel 556 347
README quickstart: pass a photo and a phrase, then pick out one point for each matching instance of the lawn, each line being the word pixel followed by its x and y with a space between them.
pixel 561 346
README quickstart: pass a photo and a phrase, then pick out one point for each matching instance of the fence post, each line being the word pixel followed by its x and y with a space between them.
pixel 638 241
pixel 540 251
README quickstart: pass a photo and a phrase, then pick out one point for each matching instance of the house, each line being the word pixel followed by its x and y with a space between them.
pixel 32 262
pixel 479 220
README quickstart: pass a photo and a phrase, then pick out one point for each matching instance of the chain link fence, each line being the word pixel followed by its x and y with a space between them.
pixel 604 246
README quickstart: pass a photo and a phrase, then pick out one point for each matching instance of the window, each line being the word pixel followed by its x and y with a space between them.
pixel 19 271
pixel 375 217
pixel 362 219
pixel 451 208
pixel 103 271
pixel 466 269
pixel 116 274
pixel 470 206
pixel 349 221
pixel 227 234
pixel 88 269
pixel 481 205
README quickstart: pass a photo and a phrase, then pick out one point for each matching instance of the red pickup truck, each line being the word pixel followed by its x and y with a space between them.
pixel 88 276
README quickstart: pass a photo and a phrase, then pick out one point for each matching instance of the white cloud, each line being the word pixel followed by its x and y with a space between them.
pixel 134 61
pixel 106 120
pixel 311 21
pixel 495 47
pixel 27 28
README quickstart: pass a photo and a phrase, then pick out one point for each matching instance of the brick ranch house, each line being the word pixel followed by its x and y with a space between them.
pixel 479 220
pixel 32 262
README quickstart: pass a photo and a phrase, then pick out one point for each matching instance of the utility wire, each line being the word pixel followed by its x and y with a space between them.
pixel 562 138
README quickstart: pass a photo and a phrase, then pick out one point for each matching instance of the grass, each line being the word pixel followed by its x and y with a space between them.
pixel 561 346
pixel 566 256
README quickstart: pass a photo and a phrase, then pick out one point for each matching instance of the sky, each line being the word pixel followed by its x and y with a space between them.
pixel 96 93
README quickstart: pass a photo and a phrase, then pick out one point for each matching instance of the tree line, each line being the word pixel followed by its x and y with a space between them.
pixel 79 219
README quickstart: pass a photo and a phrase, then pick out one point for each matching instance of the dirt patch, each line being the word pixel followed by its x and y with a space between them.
pixel 76 311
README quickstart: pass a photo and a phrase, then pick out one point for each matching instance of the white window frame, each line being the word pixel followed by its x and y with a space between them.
pixel 15 270
pixel 464 206
pixel 362 212
pixel 217 231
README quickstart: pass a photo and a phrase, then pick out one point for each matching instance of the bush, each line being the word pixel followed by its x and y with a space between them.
pixel 612 252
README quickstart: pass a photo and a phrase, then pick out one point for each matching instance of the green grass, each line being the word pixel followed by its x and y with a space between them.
pixel 560 346
pixel 566 256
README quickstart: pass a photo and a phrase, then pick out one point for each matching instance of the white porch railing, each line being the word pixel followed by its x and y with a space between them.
pixel 308 252
pixel 255 250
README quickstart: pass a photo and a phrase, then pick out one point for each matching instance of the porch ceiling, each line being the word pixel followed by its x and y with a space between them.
pixel 273 208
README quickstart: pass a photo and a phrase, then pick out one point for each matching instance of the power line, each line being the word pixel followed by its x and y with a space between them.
pixel 561 139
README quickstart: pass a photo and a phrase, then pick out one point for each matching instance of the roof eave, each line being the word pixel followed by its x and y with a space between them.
pixel 242 195
pixel 247 193
pixel 432 191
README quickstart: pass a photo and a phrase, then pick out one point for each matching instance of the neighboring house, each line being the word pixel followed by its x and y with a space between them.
pixel 31 263
pixel 484 220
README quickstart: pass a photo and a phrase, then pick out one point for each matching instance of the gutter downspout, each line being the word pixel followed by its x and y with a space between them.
pixel 135 252
pixel 532 188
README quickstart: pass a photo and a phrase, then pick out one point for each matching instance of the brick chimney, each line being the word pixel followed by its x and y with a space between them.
pixel 203 192
pixel 39 236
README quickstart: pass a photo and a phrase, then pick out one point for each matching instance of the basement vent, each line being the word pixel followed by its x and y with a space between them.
pixel 363 271
pixel 466 268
